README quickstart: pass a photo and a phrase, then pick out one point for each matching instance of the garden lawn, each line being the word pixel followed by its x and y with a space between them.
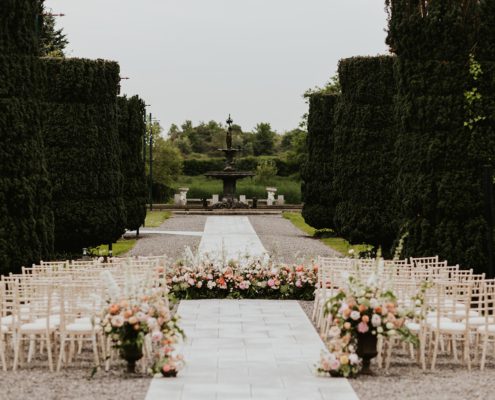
pixel 121 247
pixel 155 218
pixel 201 187
pixel 338 244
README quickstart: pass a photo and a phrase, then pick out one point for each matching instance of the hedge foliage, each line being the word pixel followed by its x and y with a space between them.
pixel 363 152
pixel 131 113
pixel 82 143
pixel 26 220
pixel 439 160
pixel 317 173
pixel 20 24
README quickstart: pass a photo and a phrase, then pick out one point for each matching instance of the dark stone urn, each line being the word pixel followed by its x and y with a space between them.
pixel 131 352
pixel 366 349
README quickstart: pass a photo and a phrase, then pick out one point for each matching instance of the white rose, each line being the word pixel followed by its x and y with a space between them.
pixel 376 320
pixel 353 358
pixel 391 332
pixel 355 315
pixel 390 325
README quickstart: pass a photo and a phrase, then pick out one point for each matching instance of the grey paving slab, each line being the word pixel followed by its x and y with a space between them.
pixel 230 237
pixel 270 357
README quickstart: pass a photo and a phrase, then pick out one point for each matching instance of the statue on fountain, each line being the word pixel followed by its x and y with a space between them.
pixel 229 175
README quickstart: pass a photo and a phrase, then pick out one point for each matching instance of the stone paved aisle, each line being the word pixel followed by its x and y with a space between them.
pixel 249 349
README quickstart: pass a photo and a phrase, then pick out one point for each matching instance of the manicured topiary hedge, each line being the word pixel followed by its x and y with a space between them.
pixel 131 112
pixel 363 151
pixel 439 160
pixel 317 173
pixel 82 144
pixel 26 220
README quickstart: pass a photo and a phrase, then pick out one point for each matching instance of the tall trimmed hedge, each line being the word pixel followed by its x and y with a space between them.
pixel 363 151
pixel 131 112
pixel 82 143
pixel 317 173
pixel 439 160
pixel 26 220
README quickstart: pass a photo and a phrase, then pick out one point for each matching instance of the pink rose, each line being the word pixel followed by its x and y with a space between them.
pixel 166 368
pixel 298 283
pixel 271 282
pixel 363 327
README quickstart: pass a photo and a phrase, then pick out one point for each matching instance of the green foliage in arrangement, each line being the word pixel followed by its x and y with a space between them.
pixel 317 173
pixel 82 143
pixel 26 219
pixel 363 152
pixel 131 130
pixel 439 158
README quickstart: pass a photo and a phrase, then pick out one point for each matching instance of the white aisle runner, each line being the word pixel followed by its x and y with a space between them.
pixel 249 349
pixel 230 237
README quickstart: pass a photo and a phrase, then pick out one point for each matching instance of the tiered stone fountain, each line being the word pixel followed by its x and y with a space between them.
pixel 229 175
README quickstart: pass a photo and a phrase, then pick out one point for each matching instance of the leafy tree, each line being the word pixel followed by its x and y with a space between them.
pixel 53 41
pixel 264 140
pixel 167 162
pixel 266 171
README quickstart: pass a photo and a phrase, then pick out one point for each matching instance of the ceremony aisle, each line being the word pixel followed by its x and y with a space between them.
pixel 249 349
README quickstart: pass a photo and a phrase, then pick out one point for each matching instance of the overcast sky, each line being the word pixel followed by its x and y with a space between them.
pixel 203 59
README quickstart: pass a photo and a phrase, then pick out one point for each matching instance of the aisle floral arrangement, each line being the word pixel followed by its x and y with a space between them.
pixel 357 312
pixel 140 320
pixel 256 278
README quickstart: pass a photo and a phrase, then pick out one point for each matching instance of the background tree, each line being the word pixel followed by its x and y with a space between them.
pixel 53 41
pixel 167 162
pixel 263 140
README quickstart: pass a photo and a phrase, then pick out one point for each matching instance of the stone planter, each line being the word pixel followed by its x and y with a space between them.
pixel 366 349
pixel 131 352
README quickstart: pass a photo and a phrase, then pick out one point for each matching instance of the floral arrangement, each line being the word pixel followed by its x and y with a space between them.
pixel 131 318
pixel 256 279
pixel 355 311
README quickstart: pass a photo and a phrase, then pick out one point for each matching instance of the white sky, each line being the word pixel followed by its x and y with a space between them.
pixel 203 59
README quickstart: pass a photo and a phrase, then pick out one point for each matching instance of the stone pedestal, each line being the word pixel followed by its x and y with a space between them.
pixel 183 195
pixel 280 200
pixel 270 200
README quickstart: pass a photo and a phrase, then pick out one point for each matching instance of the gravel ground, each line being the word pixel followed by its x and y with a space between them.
pixel 72 383
pixel 283 240
pixel 171 245
pixel 406 381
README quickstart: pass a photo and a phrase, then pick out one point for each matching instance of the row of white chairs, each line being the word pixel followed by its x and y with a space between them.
pixel 456 307
pixel 56 306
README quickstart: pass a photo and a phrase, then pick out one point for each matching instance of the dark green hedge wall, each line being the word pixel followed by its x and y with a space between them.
pixel 20 22
pixel 131 112
pixel 439 160
pixel 82 144
pixel 317 173
pixel 26 220
pixel 363 152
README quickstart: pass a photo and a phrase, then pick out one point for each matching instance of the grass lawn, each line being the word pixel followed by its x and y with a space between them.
pixel 121 247
pixel 155 218
pixel 338 244
pixel 201 186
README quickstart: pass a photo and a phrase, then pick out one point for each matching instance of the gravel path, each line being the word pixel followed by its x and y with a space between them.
pixel 73 383
pixel 283 240
pixel 171 245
